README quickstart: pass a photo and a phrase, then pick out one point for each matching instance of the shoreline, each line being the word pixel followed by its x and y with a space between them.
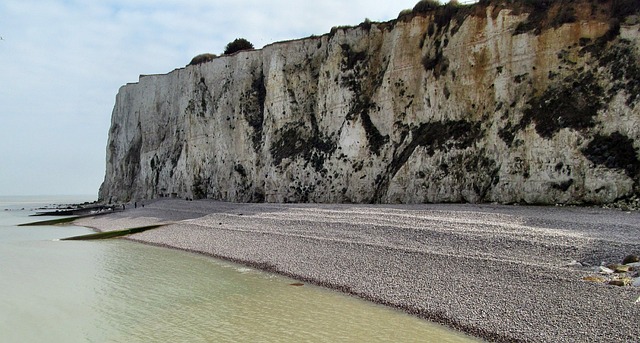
pixel 497 272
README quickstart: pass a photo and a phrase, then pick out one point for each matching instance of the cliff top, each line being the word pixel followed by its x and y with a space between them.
pixel 542 14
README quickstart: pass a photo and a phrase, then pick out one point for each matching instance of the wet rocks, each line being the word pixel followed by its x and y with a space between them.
pixel 625 274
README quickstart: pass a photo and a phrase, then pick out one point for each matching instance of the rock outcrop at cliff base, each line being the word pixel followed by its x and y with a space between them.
pixel 509 102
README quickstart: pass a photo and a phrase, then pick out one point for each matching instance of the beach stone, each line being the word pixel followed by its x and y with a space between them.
pixel 574 263
pixel 594 278
pixel 631 259
pixel 633 266
pixel 604 270
pixel 636 282
pixel 621 268
pixel 619 283
pixel 625 281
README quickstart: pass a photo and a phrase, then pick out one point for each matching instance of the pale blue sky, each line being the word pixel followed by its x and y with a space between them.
pixel 62 62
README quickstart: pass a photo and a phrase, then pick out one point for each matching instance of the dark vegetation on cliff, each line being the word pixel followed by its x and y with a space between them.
pixel 361 78
pixel 544 14
pixel 444 135
pixel 239 44
pixel 572 104
pixel 252 108
pixel 202 58
pixel 443 13
pixel 615 151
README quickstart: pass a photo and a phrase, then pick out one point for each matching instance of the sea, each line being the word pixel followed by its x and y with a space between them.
pixel 116 290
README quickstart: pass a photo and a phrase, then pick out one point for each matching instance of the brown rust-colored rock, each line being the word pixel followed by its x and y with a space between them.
pixel 593 278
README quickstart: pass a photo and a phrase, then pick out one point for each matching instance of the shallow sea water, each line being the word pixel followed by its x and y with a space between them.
pixel 120 291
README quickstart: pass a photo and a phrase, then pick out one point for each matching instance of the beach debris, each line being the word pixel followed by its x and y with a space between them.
pixel 625 274
pixel 297 284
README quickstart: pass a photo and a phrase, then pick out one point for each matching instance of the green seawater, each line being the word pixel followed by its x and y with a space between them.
pixel 120 291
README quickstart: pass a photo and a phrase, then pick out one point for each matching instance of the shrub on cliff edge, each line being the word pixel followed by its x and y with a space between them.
pixel 202 58
pixel 425 6
pixel 238 45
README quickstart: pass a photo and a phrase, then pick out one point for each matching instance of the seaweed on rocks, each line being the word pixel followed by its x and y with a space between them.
pixel 614 151
pixel 622 61
pixel 363 77
pixel 444 135
pixel 132 161
pixel 509 132
pixel 199 105
pixel 290 143
pixel 573 104
pixel 238 168
pixel 374 137
pixel 199 189
pixel 351 58
pixel 296 140
pixel 436 62
pixel 252 108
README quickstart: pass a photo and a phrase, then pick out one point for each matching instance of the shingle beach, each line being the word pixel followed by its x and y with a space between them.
pixel 498 272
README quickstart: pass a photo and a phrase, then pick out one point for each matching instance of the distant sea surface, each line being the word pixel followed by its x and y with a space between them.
pixel 120 291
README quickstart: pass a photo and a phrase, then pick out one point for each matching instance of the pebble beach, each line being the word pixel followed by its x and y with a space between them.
pixel 498 272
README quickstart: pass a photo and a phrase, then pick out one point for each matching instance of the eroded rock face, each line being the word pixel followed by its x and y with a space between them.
pixel 489 103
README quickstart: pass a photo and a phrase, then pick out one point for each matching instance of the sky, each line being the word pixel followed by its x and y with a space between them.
pixel 62 63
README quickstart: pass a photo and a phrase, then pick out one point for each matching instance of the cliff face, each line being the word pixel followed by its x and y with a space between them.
pixel 489 103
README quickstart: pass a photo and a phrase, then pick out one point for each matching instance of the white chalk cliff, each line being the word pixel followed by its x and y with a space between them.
pixel 494 102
